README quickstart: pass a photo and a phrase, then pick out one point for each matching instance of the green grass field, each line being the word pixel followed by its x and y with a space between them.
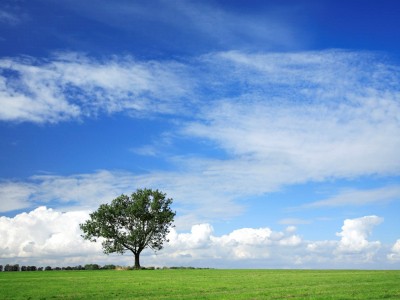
pixel 201 284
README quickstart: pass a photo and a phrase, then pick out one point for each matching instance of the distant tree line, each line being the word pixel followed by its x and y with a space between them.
pixel 17 268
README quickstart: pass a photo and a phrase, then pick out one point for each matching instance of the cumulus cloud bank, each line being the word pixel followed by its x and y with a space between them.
pixel 45 236
pixel 241 244
pixel 394 256
pixel 354 236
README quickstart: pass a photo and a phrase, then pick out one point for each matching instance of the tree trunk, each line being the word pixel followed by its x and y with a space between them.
pixel 137 262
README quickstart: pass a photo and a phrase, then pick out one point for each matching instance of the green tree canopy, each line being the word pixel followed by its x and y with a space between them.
pixel 131 223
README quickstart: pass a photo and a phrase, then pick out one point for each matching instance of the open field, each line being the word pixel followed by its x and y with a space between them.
pixel 201 284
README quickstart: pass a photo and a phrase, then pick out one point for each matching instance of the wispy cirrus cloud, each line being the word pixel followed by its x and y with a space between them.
pixel 269 146
pixel 80 191
pixel 194 195
pixel 294 221
pixel 71 86
pixel 277 119
pixel 212 24
pixel 15 195
pixel 293 118
pixel 354 197
pixel 9 18
pixel 237 29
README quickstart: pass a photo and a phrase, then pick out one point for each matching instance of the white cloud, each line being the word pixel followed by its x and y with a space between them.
pixel 295 118
pixel 294 221
pixel 44 236
pixel 198 197
pixel 353 244
pixel 15 196
pixel 394 256
pixel 147 150
pixel 239 245
pixel 71 85
pixel 348 94
pixel 355 232
pixel 194 198
pixel 199 237
pixel 84 190
pixel 353 248
pixel 79 191
pixel 263 247
pixel 322 248
pixel 32 96
pixel 297 144
pixel 360 197
pixel 291 118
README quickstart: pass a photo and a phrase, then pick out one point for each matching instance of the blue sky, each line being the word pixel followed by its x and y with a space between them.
pixel 274 126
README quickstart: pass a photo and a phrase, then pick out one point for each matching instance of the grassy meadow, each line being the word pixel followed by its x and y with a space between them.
pixel 201 284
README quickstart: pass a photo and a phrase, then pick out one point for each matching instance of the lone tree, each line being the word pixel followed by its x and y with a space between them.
pixel 131 223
